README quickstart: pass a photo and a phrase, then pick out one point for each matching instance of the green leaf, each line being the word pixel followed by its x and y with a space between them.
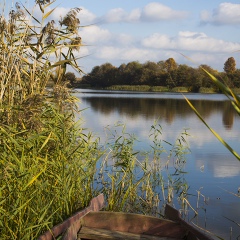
pixel 215 133
pixel 45 142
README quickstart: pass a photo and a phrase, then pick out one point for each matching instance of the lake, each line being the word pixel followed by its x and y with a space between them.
pixel 212 170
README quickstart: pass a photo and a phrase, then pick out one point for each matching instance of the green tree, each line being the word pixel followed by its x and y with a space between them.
pixel 101 76
pixel 150 73
pixel 230 65
pixel 70 77
pixel 184 78
pixel 133 72
pixel 206 81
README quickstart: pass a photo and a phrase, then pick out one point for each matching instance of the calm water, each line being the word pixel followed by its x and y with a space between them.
pixel 211 168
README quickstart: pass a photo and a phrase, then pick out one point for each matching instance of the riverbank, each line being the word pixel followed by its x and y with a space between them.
pixel 147 88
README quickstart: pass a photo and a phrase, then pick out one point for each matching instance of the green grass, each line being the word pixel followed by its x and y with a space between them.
pixel 207 90
pixel 140 88
pixel 180 89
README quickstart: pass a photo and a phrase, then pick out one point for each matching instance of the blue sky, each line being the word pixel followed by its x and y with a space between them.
pixel 139 30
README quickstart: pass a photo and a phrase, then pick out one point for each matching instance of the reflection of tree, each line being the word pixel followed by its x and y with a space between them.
pixel 159 108
pixel 228 116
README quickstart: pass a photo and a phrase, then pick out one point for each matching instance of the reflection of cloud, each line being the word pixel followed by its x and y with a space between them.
pixel 226 171
pixel 140 116
pixel 222 165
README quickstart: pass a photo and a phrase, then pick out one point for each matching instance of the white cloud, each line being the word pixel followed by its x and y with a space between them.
pixel 127 54
pixel 157 12
pixel 190 41
pixel 134 15
pixel 115 15
pixel 95 35
pixel 226 13
pixel 151 12
pixel 84 15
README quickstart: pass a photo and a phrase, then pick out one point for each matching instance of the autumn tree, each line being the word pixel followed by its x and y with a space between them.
pixel 230 65
pixel 170 65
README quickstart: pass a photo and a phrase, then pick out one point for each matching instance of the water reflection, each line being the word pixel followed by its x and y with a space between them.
pixel 166 109
pixel 210 166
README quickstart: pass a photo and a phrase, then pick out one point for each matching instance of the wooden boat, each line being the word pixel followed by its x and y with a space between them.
pixel 91 223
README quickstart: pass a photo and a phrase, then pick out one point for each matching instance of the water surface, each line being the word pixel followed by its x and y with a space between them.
pixel 212 170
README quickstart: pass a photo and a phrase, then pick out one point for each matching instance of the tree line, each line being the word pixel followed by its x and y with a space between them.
pixel 163 73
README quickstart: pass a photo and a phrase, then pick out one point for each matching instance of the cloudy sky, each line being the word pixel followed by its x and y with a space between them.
pixel 121 31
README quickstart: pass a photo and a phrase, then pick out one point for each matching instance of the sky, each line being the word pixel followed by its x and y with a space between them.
pixel 193 32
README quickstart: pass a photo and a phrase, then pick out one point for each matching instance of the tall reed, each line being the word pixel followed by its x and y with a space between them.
pixel 235 101
pixel 50 166
pixel 138 180
pixel 47 163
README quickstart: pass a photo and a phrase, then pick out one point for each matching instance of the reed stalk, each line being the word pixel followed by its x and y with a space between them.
pixel 50 166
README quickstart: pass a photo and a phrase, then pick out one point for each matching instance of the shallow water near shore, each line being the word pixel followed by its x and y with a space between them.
pixel 213 173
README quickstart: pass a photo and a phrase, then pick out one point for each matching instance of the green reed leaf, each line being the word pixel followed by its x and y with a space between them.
pixel 45 142
pixel 215 133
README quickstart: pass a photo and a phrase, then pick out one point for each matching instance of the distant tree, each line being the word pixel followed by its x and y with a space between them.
pixel 150 73
pixel 121 75
pixel 184 77
pixel 101 76
pixel 170 65
pixel 133 72
pixel 70 76
pixel 236 78
pixel 230 65
pixel 206 81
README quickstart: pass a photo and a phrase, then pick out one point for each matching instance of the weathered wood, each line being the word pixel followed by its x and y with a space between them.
pixel 72 231
pixel 102 234
pixel 173 214
pixel 116 225
pixel 134 223
pixel 96 204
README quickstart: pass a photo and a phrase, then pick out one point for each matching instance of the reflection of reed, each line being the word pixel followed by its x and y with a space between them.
pixel 166 109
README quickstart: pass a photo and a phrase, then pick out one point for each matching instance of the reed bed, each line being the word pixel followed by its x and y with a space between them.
pixel 50 166
pixel 139 88
pixel 129 88
pixel 180 89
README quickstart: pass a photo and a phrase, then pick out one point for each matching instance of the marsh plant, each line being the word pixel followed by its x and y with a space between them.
pixel 142 181
pixel 233 97
pixel 49 166
pixel 46 161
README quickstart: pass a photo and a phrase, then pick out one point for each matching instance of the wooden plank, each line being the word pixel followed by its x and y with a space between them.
pixel 134 223
pixel 173 214
pixel 96 204
pixel 103 234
